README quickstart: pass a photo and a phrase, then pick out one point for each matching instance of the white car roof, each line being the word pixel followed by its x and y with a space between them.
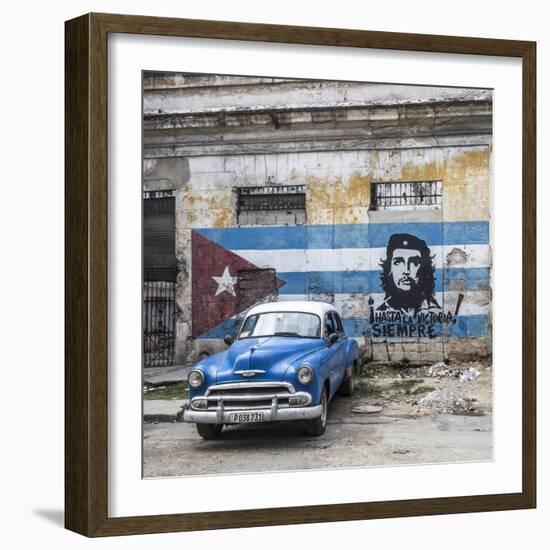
pixel 319 308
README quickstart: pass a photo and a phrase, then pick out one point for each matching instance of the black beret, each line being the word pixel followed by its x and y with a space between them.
pixel 409 242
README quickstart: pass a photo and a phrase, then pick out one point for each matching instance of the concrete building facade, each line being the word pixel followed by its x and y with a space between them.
pixel 299 189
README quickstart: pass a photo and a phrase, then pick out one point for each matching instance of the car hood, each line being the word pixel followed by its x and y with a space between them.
pixel 271 354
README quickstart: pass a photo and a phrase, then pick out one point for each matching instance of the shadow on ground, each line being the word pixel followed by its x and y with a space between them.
pixel 57 517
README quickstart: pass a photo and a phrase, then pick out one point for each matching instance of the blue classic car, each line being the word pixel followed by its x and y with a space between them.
pixel 287 362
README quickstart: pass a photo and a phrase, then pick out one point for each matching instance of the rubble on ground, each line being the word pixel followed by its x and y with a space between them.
pixel 438 370
pixel 465 370
pixel 407 389
pixel 469 374
pixel 446 402
pixel 441 370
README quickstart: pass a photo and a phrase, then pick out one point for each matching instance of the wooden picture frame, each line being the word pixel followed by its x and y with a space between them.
pixel 86 223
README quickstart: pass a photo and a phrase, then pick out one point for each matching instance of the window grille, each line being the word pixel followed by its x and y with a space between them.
pixel 274 197
pixel 271 205
pixel 408 195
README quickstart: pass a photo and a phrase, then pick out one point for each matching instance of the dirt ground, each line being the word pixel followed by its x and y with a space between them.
pixel 400 389
pixel 402 431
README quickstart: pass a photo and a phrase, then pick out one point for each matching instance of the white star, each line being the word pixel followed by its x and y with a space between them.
pixel 225 282
pixel 405 243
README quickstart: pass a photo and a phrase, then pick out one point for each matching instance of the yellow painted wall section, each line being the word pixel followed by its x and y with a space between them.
pixel 466 177
pixel 212 207
pixel 465 173
pixel 338 199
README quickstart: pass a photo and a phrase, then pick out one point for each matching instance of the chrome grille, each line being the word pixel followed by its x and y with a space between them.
pixel 240 405
pixel 250 388
pixel 249 395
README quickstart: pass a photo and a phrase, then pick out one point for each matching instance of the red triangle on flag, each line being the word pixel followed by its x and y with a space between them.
pixel 224 284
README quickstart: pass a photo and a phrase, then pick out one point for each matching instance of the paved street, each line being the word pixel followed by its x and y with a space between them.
pixel 351 440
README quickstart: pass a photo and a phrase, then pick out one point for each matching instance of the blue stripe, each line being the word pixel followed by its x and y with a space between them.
pixel 470 326
pixel 466 326
pixel 374 235
pixel 368 282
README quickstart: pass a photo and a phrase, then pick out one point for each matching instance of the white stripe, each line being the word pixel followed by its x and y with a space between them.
pixel 360 259
pixel 475 302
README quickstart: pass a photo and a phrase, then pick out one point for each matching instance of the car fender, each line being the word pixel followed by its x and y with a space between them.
pixel 318 361
pixel 352 355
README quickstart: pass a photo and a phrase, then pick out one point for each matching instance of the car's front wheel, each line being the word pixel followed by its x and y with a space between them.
pixel 317 426
pixel 209 431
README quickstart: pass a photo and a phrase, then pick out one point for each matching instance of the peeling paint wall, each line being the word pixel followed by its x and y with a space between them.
pixel 398 145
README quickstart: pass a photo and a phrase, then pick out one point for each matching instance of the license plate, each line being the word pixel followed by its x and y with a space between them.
pixel 246 417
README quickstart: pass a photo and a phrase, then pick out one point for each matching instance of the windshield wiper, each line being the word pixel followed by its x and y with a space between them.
pixel 286 334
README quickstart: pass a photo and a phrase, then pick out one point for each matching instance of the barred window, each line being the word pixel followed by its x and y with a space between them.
pixel 271 205
pixel 408 195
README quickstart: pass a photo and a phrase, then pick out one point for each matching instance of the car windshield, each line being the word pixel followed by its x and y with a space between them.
pixel 281 323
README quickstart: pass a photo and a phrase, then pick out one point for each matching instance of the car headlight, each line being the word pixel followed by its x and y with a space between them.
pixel 304 374
pixel 195 378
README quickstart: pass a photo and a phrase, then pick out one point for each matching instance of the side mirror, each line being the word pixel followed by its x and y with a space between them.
pixel 332 339
pixel 228 339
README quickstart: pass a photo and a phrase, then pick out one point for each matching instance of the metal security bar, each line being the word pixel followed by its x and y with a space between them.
pixel 159 279
pixel 159 299
pixel 272 197
pixel 406 195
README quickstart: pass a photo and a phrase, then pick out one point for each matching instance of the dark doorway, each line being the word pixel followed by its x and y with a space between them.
pixel 159 281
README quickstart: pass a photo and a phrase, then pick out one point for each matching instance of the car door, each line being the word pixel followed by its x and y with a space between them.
pixel 335 353
pixel 339 352
pixel 327 360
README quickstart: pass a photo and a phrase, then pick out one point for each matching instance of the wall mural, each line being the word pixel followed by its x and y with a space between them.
pixel 409 308
pixel 392 281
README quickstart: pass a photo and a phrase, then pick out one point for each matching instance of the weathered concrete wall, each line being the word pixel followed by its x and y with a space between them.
pixel 336 256
pixel 338 184
pixel 212 95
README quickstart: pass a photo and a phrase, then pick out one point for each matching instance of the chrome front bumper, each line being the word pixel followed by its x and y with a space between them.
pixel 221 416
pixel 271 399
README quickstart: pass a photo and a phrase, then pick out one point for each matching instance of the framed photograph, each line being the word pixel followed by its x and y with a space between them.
pixel 300 275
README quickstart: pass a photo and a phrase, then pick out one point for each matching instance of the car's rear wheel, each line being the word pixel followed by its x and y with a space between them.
pixel 209 431
pixel 317 426
pixel 347 386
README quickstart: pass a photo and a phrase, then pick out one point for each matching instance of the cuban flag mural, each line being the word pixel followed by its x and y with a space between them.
pixel 411 281
pixel 224 284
